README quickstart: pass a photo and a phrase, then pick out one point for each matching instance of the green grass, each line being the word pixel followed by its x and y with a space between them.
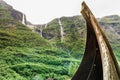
pixel 26 63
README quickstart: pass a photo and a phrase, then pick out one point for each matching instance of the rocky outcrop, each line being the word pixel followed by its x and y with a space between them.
pixel 8 11
pixel 18 16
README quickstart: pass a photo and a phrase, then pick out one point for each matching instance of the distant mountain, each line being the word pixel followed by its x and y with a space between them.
pixel 7 11
pixel 66 33
pixel 110 25
pixel 74 32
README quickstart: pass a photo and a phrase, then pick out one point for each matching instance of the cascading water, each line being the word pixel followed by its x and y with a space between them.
pixel 23 19
pixel 46 25
pixel 61 30
pixel 41 31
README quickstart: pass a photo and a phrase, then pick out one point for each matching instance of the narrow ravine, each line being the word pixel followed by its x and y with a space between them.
pixel 61 30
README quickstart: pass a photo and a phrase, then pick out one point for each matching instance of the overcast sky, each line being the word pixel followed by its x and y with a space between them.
pixel 43 11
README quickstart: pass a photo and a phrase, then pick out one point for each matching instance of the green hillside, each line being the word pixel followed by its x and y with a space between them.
pixel 24 55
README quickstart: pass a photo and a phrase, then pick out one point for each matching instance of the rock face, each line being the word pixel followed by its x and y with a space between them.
pixel 63 28
pixel 7 11
pixel 76 25
pixel 18 16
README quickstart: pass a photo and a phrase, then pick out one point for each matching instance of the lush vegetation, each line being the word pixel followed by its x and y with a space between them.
pixel 24 55
pixel 27 63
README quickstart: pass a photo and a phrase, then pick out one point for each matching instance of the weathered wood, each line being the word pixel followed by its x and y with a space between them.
pixel 99 62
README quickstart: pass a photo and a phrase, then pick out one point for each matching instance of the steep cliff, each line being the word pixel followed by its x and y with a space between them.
pixel 8 12
pixel 110 25
pixel 73 31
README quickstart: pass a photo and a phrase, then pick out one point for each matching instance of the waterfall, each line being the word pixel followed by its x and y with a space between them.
pixel 23 19
pixel 46 25
pixel 61 30
pixel 41 31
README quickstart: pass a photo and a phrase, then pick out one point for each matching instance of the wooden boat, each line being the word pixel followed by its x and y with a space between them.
pixel 99 61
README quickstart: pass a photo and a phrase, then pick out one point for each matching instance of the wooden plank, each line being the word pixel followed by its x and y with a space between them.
pixel 99 62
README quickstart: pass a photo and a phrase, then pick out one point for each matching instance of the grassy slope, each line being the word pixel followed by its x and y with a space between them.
pixel 26 63
pixel 24 55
